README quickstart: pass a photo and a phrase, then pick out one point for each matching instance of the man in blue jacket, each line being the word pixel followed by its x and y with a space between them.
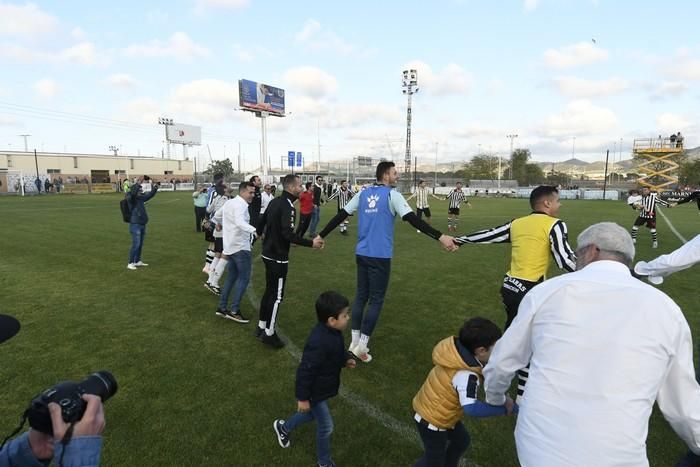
pixel 35 449
pixel 139 219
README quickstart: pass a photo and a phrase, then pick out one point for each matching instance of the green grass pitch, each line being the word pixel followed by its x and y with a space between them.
pixel 195 389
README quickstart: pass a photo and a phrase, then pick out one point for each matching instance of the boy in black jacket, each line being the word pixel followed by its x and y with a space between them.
pixel 318 375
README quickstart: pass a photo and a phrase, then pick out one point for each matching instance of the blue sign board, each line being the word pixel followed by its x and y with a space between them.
pixel 290 158
pixel 299 159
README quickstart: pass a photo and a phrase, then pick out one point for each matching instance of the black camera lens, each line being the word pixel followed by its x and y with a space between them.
pixel 100 383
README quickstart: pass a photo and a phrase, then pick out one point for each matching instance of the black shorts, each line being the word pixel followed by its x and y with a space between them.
pixel 209 235
pixel 218 244
pixel 512 292
pixel 425 212
pixel 454 211
pixel 649 222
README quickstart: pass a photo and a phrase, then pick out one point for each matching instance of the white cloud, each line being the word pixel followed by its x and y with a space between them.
pixel 311 81
pixel 671 123
pixel 121 80
pixel 83 53
pixel 78 34
pixel 453 79
pixel 578 87
pixel 530 5
pixel 475 129
pixel 579 118
pixel 25 21
pixel 250 53
pixel 314 38
pixel 143 110
pixel 688 69
pixel 222 4
pixel 6 120
pixel 45 88
pixel 206 99
pixel 179 46
pixel 583 53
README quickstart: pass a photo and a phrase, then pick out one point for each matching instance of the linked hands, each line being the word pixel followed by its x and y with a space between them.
pixel 448 242
pixel 319 242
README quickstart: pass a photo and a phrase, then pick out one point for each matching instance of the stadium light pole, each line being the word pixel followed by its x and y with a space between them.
pixel 410 85
pixel 510 169
pixel 115 150
pixel 26 143
pixel 167 122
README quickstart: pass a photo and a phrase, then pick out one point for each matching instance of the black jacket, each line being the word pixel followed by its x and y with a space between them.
pixel 255 206
pixel 277 224
pixel 318 193
pixel 318 375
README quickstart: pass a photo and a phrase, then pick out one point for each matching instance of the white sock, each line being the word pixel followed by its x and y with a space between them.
pixel 364 340
pixel 355 337
pixel 269 332
pixel 262 324
pixel 214 262
pixel 217 272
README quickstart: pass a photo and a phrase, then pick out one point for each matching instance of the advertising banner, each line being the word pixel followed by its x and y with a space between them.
pixel 261 97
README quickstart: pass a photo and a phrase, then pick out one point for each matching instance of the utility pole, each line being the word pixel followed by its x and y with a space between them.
pixel 410 85
pixel 167 122
pixel 510 169
pixel 26 144
pixel 436 163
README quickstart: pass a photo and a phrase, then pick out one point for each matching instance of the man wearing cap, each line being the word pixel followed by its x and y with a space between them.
pixel 603 347
pixel 36 449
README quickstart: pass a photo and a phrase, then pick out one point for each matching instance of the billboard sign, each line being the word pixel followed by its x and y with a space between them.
pixel 290 158
pixel 184 134
pixel 260 97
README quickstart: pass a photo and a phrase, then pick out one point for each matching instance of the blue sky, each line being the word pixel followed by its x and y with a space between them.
pixel 550 71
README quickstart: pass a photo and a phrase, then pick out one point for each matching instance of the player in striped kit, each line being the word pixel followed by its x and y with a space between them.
pixel 455 197
pixel 534 238
pixel 422 207
pixel 647 215
pixel 344 195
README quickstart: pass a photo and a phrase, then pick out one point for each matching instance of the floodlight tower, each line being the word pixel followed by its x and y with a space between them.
pixel 510 170
pixel 410 86
pixel 167 122
pixel 115 150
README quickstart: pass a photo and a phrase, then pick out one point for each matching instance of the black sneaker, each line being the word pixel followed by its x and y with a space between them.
pixel 282 436
pixel 212 288
pixel 222 313
pixel 273 341
pixel 258 332
pixel 237 317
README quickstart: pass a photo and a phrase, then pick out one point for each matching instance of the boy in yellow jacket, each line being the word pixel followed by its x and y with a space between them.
pixel 450 390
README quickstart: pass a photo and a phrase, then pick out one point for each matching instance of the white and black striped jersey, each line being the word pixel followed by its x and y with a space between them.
pixel 421 195
pixel 344 197
pixel 561 251
pixel 649 203
pixel 456 197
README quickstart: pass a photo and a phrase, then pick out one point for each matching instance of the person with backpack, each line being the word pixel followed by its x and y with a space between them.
pixel 138 218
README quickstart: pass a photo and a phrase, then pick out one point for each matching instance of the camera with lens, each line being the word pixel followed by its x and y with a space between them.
pixel 68 395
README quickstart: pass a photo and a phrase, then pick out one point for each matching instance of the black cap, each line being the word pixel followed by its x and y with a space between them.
pixel 9 326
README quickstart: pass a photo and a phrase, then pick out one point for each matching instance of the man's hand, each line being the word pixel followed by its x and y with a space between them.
pixel 448 242
pixel 351 363
pixel 318 242
pixel 509 405
pixel 41 444
pixel 303 406
pixel 92 423
pixel 218 227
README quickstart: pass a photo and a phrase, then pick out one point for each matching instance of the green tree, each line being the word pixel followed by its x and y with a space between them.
pixel 690 173
pixel 483 167
pixel 223 166
pixel 533 175
pixel 518 165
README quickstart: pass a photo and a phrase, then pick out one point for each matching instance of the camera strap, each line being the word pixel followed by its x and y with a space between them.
pixel 22 421
pixel 65 440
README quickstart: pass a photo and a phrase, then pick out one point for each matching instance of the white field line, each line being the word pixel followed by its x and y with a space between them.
pixel 673 229
pixel 404 430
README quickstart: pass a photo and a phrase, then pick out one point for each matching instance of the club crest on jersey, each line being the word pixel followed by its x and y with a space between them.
pixel 372 201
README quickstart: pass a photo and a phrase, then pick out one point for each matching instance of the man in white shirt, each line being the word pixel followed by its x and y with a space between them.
pixel 234 220
pixel 266 197
pixel 602 347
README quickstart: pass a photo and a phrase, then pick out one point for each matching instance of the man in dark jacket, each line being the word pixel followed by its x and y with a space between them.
pixel 139 218
pixel 277 224
pixel 255 205
pixel 318 375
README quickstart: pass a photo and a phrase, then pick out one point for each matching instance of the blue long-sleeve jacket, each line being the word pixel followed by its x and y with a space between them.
pixel 136 200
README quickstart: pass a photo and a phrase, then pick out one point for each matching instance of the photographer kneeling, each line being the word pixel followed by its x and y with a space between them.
pixel 83 442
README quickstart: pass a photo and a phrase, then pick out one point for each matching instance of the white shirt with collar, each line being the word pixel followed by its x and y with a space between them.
pixel 682 258
pixel 265 199
pixel 602 347
pixel 234 218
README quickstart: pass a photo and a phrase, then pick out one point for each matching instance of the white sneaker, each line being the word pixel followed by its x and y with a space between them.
pixel 141 263
pixel 634 241
pixel 131 266
pixel 361 353
pixel 655 244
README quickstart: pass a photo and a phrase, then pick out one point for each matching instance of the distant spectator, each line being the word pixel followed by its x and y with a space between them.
pixel 139 219
pixel 255 205
pixel 673 138
pixel 266 197
pixel 47 185
pixel 200 207
pixel 37 182
pixel 679 140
